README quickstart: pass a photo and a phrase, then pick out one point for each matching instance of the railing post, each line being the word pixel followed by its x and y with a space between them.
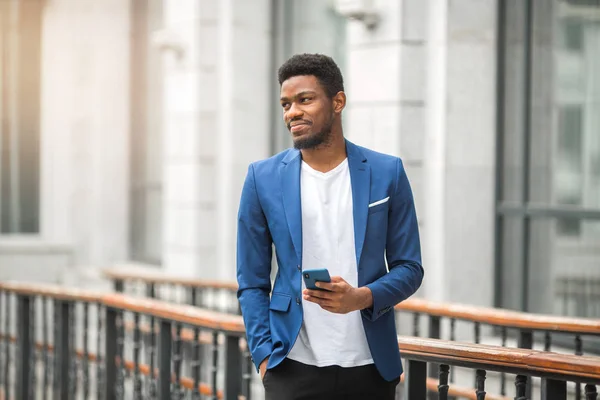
pixel 110 354
pixel 521 387
pixel 6 347
pixel 415 384
pixel 434 368
pixel 444 371
pixel 525 341
pixel 590 392
pixel 247 373
pixel 164 360
pixel 65 357
pixel 119 285
pixel 554 390
pixel 23 346
pixel 150 290
pixel 233 367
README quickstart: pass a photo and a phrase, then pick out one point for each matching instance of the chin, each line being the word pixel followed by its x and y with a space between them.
pixel 307 143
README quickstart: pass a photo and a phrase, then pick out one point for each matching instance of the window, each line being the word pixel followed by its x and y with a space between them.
pixel 20 26
pixel 568 185
pixel 310 26
pixel 146 134
pixel 548 181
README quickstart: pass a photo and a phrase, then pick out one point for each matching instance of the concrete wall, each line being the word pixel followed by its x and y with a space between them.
pixel 84 130
pixel 32 260
pixel 470 152
pixel 216 123
pixel 216 113
pixel 402 101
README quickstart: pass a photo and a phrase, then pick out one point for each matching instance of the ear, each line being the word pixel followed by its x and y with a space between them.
pixel 339 102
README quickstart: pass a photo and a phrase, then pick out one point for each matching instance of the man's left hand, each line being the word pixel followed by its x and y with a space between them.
pixel 339 296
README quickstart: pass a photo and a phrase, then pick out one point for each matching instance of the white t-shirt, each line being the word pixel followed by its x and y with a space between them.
pixel 328 242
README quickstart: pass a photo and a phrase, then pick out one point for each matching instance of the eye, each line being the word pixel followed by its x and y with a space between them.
pixel 285 106
pixel 305 99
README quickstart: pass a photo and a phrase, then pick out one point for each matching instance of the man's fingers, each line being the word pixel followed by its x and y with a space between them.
pixel 335 310
pixel 325 304
pixel 322 294
pixel 337 284
pixel 326 285
pixel 320 301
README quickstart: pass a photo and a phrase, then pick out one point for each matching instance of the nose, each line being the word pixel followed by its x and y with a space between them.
pixel 293 112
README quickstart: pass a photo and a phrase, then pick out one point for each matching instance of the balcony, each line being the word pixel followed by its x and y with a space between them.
pixel 63 343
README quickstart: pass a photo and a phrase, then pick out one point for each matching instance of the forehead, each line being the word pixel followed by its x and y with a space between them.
pixel 301 83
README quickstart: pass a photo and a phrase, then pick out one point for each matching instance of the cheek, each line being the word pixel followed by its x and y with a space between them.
pixel 322 120
pixel 318 115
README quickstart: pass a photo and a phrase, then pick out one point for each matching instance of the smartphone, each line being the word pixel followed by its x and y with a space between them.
pixel 311 276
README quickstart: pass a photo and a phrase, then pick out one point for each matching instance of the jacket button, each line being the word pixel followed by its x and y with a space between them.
pixel 298 300
pixel 299 268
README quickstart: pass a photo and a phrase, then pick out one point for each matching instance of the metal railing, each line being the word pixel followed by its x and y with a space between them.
pixel 60 343
pixel 51 348
pixel 441 320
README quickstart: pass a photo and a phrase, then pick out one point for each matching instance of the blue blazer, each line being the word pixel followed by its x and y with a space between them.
pixel 269 214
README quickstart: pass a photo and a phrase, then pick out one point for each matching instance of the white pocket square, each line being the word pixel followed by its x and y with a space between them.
pixel 379 202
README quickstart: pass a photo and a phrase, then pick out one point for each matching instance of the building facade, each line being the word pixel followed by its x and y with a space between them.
pixel 128 126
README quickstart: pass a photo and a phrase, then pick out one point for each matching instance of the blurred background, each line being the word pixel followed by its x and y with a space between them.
pixel 127 127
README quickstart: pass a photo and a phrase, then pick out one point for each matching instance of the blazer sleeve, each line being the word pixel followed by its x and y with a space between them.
pixel 403 252
pixel 254 252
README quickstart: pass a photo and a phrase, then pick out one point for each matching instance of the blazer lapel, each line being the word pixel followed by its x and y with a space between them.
pixel 360 178
pixel 290 183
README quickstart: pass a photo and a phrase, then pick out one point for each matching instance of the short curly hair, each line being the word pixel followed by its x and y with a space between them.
pixel 321 66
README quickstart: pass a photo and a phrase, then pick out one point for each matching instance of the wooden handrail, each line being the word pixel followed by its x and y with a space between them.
pixel 54 291
pixel 177 312
pixel 502 317
pixel 135 272
pixel 485 315
pixel 515 360
pixel 229 323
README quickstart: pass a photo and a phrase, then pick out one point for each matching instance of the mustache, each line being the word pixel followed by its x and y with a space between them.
pixel 289 124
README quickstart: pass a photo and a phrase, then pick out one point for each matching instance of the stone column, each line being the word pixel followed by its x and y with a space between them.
pixel 85 128
pixel 216 123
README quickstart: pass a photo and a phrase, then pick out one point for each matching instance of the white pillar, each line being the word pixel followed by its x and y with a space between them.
pixel 225 151
pixel 435 152
pixel 187 190
pixel 85 128
pixel 216 122
pixel 244 104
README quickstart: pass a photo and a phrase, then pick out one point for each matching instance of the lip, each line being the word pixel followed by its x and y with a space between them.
pixel 298 127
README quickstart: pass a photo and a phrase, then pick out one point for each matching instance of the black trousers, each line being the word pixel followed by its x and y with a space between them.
pixel 292 380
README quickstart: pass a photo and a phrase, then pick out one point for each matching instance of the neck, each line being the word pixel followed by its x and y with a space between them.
pixel 327 156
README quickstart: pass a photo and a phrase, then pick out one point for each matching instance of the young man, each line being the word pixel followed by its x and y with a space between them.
pixel 331 204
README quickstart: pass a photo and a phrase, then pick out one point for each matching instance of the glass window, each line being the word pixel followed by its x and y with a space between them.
pixel 20 52
pixel 146 134
pixel 568 182
pixel 548 224
pixel 309 26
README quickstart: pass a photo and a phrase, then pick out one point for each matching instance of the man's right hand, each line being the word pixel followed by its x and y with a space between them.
pixel 263 368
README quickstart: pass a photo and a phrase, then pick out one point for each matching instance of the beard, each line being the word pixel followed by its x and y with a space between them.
pixel 316 139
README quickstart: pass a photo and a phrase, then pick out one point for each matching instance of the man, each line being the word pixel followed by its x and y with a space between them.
pixel 331 204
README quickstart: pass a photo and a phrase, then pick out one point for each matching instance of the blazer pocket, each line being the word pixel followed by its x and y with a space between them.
pixel 280 302
pixel 376 203
pixel 378 208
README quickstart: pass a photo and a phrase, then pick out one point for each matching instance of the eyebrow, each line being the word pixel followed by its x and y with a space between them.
pixel 305 92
